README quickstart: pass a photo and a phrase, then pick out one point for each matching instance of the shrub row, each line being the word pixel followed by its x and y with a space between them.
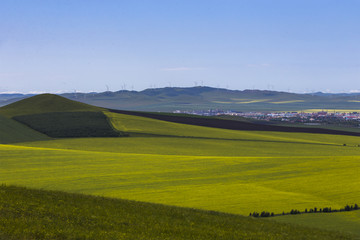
pixel 311 210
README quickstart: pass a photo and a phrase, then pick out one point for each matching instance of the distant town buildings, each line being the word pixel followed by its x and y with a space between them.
pixel 310 118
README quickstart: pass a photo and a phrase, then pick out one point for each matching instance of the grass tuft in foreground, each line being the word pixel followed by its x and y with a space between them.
pixel 38 214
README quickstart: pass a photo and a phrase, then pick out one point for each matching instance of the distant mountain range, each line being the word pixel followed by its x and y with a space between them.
pixel 203 98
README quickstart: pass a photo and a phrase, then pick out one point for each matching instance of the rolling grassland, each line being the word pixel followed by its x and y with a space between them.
pixel 235 172
pixel 230 184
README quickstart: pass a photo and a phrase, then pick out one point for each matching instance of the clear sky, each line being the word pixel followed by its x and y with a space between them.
pixel 85 45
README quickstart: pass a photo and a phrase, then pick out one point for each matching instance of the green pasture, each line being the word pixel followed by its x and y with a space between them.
pixel 235 172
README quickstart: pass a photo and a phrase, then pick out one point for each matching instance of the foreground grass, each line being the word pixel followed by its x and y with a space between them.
pixel 39 214
pixel 341 221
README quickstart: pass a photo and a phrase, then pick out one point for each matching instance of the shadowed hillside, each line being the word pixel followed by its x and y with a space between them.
pixel 11 132
pixel 39 214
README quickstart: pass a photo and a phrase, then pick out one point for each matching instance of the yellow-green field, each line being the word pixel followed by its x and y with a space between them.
pixel 247 101
pixel 229 184
pixel 290 101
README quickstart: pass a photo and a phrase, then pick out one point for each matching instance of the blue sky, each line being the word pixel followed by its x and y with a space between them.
pixel 84 45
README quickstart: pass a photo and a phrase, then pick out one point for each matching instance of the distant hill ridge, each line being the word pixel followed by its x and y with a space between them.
pixel 169 99
pixel 204 98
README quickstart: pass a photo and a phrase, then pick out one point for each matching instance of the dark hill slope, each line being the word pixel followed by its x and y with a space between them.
pixel 39 214
pixel 57 116
pixel 70 124
pixel 231 124
pixel 11 132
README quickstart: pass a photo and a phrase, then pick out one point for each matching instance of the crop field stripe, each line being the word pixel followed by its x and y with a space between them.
pixel 281 140
pixel 233 125
pixel 126 123
pixel 20 146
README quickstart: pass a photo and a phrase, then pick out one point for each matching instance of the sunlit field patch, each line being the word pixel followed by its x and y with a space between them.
pixel 229 184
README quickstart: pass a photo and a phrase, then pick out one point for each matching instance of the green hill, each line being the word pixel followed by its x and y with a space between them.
pixel 39 214
pixel 45 103
pixel 57 116
pixel 11 131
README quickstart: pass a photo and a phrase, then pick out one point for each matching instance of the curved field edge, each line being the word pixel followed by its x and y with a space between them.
pixel 143 126
pixel 342 221
pixel 182 146
pixel 38 214
pixel 231 124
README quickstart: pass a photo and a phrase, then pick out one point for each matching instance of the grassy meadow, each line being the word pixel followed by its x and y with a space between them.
pixel 235 172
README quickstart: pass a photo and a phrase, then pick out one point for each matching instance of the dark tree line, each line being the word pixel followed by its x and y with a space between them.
pixel 262 214
pixel 311 210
